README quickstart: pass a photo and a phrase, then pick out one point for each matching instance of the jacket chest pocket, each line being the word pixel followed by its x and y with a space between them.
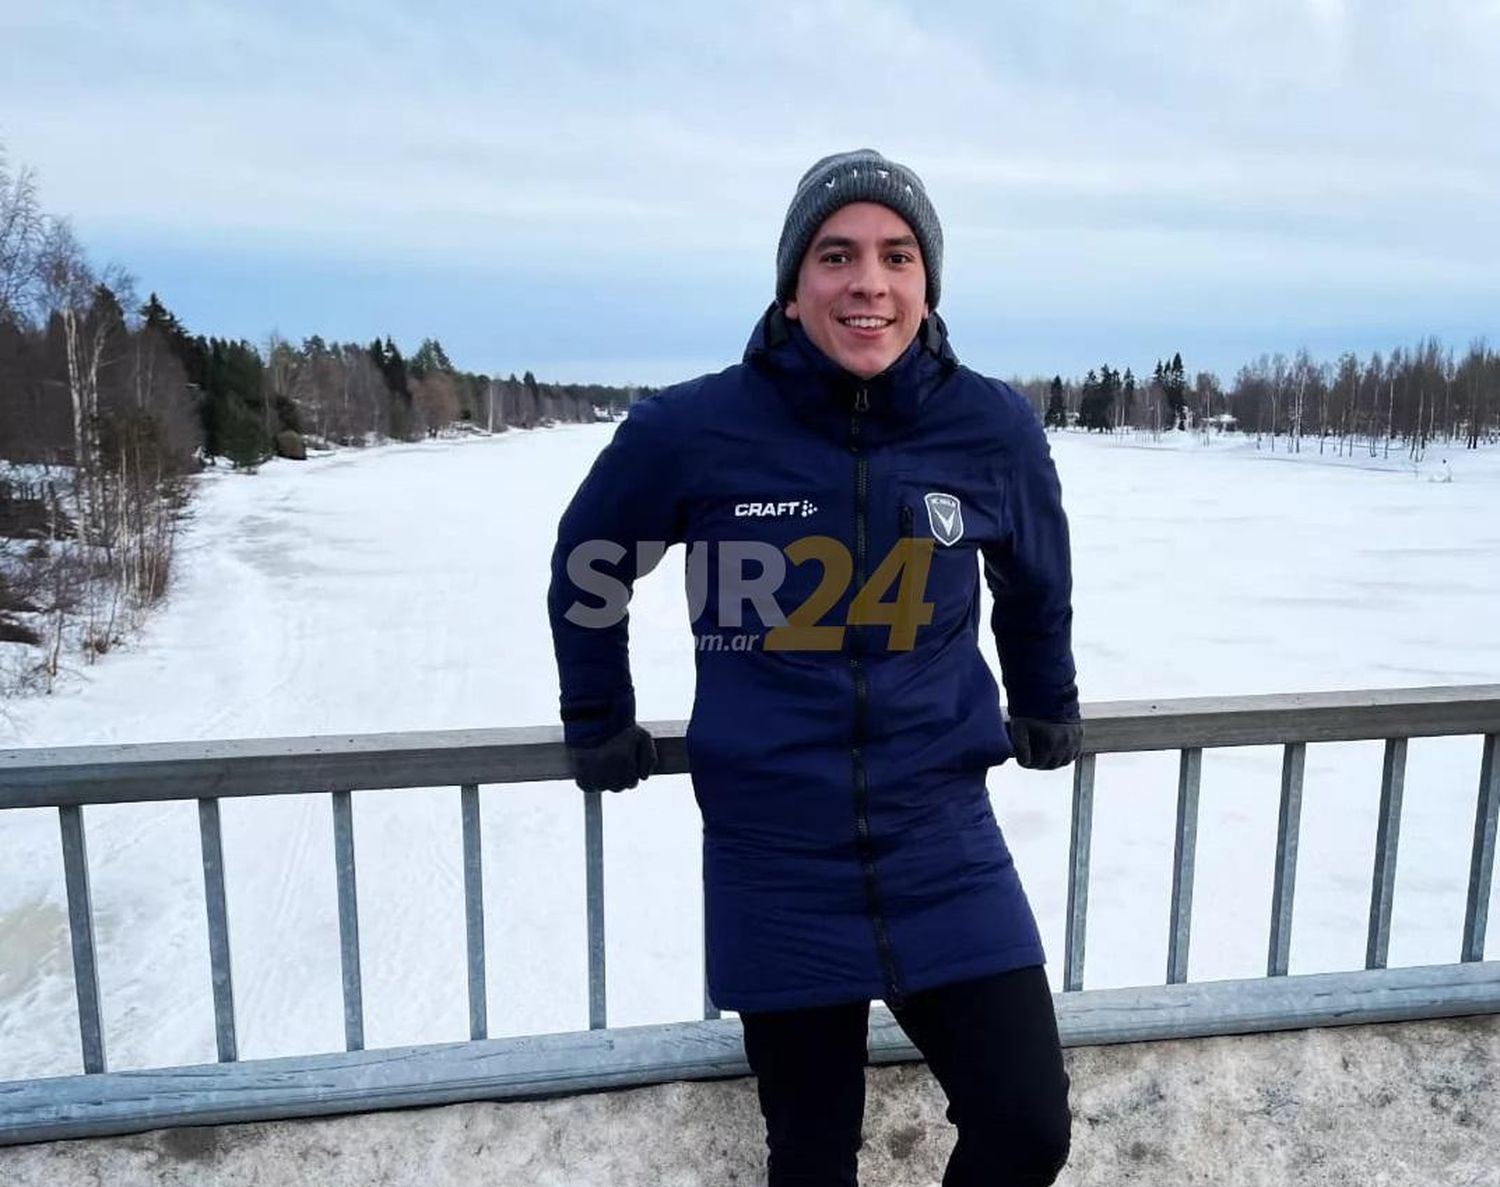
pixel 954 511
pixel 944 522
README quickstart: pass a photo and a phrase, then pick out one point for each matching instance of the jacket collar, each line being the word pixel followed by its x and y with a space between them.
pixel 823 393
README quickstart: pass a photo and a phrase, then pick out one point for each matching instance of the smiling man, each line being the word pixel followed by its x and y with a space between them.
pixel 861 289
pixel 839 759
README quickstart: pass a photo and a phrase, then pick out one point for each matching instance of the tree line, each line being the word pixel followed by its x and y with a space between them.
pixel 353 394
pixel 1406 400
pixel 108 404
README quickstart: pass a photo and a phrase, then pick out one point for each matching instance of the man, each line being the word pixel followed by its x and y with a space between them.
pixel 844 718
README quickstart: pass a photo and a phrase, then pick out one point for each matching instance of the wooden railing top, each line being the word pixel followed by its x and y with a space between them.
pixel 448 758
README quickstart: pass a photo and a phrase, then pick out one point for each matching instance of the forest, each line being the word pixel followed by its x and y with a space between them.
pixel 1406 400
pixel 110 403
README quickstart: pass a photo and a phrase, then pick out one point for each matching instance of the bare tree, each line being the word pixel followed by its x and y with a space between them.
pixel 435 400
pixel 67 286
pixel 1345 399
pixel 93 321
pixel 22 226
pixel 1206 389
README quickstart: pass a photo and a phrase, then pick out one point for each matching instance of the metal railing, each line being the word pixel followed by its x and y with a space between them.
pixel 101 1102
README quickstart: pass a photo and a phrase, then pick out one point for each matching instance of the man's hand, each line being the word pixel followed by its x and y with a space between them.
pixel 622 760
pixel 1045 745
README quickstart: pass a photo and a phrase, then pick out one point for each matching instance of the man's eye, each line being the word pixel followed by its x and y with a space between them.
pixel 835 257
pixel 900 257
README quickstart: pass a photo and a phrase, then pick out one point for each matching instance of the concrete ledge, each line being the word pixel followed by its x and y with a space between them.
pixel 587 1061
pixel 1403 1103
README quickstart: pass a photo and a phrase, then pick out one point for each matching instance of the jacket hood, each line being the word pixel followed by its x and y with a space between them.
pixel 823 394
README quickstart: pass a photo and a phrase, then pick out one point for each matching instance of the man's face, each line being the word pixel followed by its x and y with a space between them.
pixel 862 288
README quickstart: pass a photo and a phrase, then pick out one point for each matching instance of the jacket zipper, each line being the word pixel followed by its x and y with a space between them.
pixel 863 842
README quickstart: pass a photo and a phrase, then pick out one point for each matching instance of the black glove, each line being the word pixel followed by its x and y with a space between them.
pixel 1045 745
pixel 622 760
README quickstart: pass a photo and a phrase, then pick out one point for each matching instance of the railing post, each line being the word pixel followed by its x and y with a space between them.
pixel 1078 872
pixel 474 911
pixel 81 932
pixel 1482 863
pixel 343 849
pixel 1284 885
pixel 593 844
pixel 1387 838
pixel 211 843
pixel 1189 776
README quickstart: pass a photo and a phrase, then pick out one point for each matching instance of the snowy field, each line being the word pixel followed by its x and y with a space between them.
pixel 403 589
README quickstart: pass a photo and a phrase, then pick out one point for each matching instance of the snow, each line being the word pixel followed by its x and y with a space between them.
pixel 402 588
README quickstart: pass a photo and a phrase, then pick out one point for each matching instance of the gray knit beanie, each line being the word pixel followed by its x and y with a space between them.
pixel 859 176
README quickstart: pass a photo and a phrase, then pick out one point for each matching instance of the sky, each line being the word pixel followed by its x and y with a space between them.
pixel 593 190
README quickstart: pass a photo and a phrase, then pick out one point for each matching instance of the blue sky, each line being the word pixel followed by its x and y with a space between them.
pixel 594 190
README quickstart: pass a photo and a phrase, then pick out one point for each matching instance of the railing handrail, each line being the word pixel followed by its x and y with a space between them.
pixel 70 779
pixel 165 771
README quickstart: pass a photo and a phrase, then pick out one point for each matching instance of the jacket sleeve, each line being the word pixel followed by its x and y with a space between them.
pixel 1029 572
pixel 620 521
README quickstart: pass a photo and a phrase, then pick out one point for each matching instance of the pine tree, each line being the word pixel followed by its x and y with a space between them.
pixel 235 420
pixel 1170 382
pixel 1104 411
pixel 1177 388
pixel 1057 408
pixel 1088 403
pixel 157 316
pixel 1096 410
pixel 191 352
pixel 392 367
pixel 430 359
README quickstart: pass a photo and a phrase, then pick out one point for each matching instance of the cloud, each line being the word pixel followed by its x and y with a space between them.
pixel 1263 148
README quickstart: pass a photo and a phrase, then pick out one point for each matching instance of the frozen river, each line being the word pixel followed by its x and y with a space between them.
pixel 402 588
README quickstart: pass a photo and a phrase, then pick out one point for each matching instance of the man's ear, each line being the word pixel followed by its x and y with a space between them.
pixel 790 310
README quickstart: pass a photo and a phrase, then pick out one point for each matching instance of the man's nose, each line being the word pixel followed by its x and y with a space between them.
pixel 868 278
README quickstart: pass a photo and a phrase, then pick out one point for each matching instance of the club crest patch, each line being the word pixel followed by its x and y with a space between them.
pixel 946 517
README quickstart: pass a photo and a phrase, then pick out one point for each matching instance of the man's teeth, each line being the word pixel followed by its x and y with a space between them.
pixel 867 323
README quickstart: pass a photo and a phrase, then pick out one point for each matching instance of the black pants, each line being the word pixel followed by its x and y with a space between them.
pixel 992 1045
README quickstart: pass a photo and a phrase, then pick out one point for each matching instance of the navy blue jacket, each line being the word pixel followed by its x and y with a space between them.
pixel 850 850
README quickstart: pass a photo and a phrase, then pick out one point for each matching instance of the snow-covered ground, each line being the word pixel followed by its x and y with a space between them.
pixel 402 588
